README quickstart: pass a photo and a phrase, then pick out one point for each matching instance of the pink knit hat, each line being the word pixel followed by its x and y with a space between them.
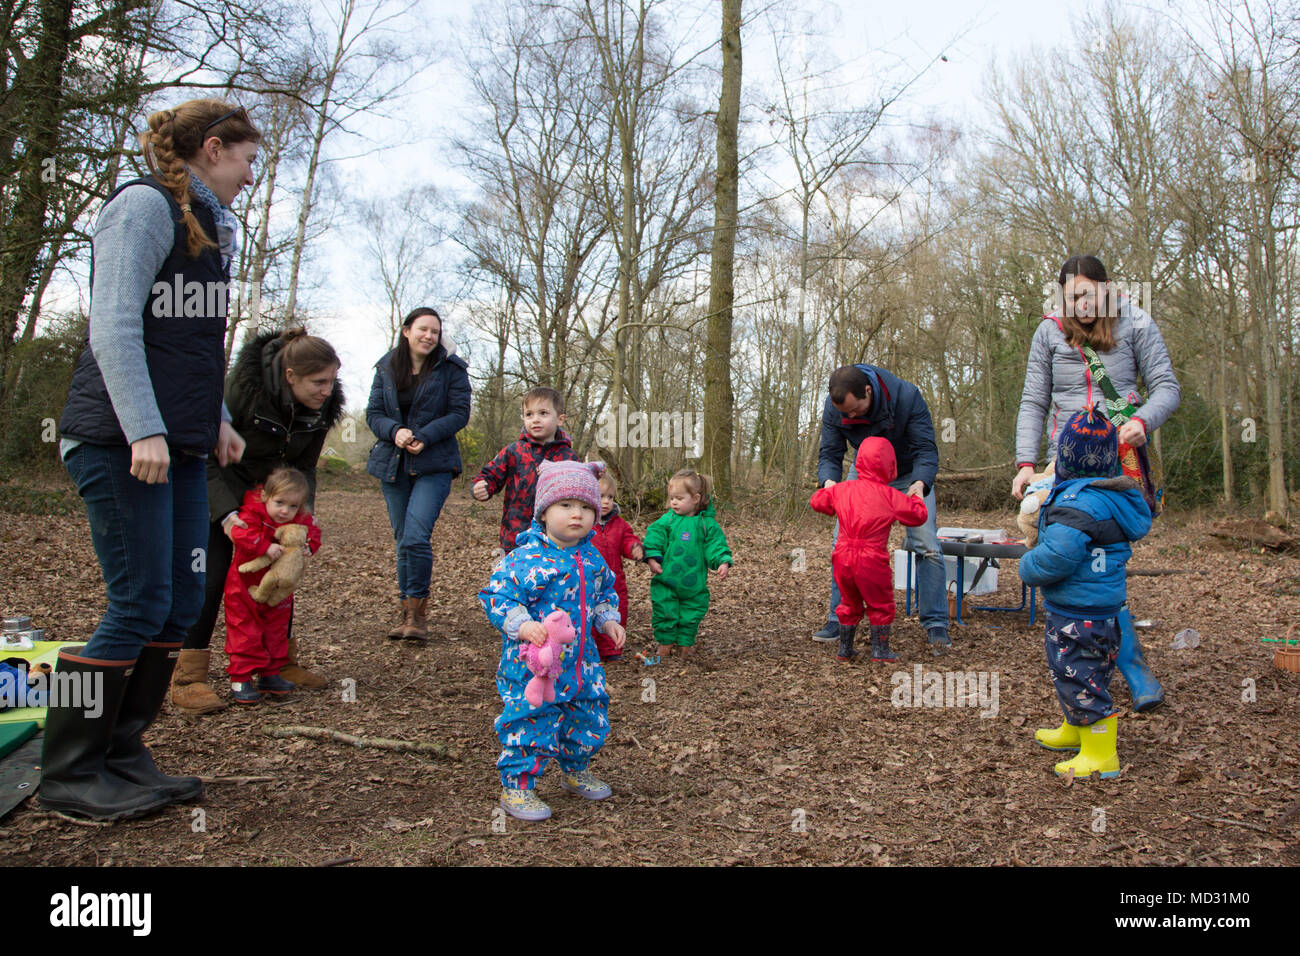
pixel 557 480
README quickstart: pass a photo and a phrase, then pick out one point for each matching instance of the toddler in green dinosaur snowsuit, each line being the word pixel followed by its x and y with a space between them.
pixel 681 548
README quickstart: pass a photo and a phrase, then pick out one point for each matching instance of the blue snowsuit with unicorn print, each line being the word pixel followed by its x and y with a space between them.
pixel 533 580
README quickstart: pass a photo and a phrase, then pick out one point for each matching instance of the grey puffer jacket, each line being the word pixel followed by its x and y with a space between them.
pixel 1056 385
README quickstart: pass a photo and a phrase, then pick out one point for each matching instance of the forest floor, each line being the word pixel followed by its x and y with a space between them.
pixel 761 750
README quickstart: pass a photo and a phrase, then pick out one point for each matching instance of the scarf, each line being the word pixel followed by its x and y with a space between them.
pixel 227 224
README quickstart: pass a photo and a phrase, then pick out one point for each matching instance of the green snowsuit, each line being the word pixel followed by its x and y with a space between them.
pixel 688 547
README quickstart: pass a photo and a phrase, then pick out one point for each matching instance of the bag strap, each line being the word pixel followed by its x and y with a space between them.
pixel 1118 410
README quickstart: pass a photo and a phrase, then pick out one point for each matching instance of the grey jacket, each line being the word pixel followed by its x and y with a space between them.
pixel 1056 386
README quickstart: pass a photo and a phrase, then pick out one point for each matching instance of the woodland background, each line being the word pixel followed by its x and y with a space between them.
pixel 577 247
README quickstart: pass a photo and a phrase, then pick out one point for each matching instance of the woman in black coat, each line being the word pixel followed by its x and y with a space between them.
pixel 284 396
pixel 419 401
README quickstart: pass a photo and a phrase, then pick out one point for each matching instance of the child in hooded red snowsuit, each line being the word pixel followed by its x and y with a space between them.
pixel 615 540
pixel 257 635
pixel 867 508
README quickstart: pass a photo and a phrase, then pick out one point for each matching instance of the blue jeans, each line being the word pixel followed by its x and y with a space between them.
pixel 931 582
pixel 150 541
pixel 414 504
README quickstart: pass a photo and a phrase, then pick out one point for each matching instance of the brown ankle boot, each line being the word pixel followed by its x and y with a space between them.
pixel 418 630
pixel 298 675
pixel 190 691
pixel 398 631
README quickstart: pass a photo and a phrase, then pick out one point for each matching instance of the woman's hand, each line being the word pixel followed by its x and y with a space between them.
pixel 403 436
pixel 230 445
pixel 414 446
pixel 1133 432
pixel 1018 483
pixel 150 460
pixel 229 522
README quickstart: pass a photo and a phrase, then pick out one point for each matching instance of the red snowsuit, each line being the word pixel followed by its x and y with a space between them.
pixel 257 635
pixel 867 508
pixel 615 540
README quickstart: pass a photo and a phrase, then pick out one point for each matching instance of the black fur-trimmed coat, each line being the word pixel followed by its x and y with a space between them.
pixel 278 430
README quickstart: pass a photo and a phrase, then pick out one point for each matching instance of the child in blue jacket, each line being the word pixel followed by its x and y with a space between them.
pixel 1085 529
pixel 554 566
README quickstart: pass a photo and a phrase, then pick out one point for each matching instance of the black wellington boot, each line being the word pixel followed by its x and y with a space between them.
pixel 127 755
pixel 880 644
pixel 846 652
pixel 74 780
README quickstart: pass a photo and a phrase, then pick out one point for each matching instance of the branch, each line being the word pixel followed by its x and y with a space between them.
pixel 379 743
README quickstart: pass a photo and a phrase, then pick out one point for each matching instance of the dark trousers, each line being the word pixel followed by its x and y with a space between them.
pixel 220 550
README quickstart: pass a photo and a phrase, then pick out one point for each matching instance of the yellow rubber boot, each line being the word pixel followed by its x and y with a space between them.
pixel 1064 737
pixel 1096 752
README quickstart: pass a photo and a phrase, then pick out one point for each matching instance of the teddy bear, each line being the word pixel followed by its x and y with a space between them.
pixel 545 661
pixel 1036 492
pixel 283 577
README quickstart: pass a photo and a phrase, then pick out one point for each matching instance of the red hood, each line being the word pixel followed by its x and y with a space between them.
pixel 254 503
pixel 876 460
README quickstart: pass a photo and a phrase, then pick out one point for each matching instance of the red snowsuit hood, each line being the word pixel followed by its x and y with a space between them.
pixel 876 460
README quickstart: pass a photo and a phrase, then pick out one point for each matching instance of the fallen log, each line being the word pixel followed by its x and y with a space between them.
pixel 1256 533
pixel 379 743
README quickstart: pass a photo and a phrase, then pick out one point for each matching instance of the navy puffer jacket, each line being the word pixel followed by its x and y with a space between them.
pixel 1084 532
pixel 439 409
pixel 898 414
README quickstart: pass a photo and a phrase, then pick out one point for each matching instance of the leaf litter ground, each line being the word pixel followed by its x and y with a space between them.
pixel 761 750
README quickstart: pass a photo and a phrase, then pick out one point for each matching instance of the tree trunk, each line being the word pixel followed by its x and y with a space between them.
pixel 318 139
pixel 719 400
pixel 39 123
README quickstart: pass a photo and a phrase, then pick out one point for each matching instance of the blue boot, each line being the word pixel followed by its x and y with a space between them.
pixel 1143 687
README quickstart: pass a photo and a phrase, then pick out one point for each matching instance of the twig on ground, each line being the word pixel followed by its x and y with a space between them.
pixel 1231 823
pixel 379 743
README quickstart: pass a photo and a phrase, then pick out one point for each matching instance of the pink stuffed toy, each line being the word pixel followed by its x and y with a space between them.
pixel 544 661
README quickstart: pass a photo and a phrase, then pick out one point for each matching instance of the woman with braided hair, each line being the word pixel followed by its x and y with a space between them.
pixel 144 411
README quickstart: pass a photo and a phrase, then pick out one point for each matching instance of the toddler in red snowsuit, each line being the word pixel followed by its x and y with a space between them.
pixel 615 540
pixel 867 508
pixel 257 635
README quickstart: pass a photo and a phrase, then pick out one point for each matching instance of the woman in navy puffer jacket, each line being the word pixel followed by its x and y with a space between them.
pixel 418 402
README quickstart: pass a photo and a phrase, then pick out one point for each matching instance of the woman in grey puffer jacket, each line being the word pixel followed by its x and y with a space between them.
pixel 1129 345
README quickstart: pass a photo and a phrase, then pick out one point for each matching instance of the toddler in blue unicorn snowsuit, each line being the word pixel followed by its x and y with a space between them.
pixel 1085 528
pixel 554 566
